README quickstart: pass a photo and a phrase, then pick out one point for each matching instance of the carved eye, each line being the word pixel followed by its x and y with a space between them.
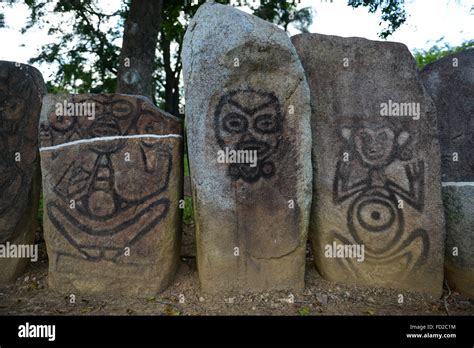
pixel 149 125
pixel 121 109
pixel 382 136
pixel 14 108
pixel 62 123
pixel 265 124
pixel 235 123
pixel 364 136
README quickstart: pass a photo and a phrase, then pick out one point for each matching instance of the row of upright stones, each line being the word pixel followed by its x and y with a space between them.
pixel 112 183
pixel 376 175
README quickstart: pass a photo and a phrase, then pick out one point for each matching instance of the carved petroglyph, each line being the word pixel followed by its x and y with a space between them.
pixel 97 206
pixel 375 164
pixel 250 120
pixel 375 216
pixel 248 135
pixel 110 181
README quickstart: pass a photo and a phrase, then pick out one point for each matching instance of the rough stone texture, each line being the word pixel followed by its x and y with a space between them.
pixel 450 81
pixel 21 91
pixel 117 205
pixel 245 89
pixel 459 259
pixel 365 164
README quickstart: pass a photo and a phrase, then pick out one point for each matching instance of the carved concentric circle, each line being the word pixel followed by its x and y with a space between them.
pixel 376 214
pixel 375 221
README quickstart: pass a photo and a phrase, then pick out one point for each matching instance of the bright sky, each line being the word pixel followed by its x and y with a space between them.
pixel 429 22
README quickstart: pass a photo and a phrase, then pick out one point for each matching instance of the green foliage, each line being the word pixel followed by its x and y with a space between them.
pixel 188 218
pixel 86 54
pixel 393 12
pixel 175 19
pixel 282 12
pixel 304 311
pixel 186 165
pixel 437 52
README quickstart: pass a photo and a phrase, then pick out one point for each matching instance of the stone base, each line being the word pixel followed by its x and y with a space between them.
pixel 67 274
pixel 397 274
pixel 460 280
pixel 12 268
pixel 243 274
pixel 458 199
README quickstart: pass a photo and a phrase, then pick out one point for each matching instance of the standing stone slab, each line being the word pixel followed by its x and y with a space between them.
pixel 112 185
pixel 246 90
pixel 450 81
pixel 21 91
pixel 376 178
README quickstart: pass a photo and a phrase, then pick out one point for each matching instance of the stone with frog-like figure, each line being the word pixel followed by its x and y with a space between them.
pixel 112 183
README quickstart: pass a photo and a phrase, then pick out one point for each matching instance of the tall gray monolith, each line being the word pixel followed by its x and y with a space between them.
pixel 377 218
pixel 249 141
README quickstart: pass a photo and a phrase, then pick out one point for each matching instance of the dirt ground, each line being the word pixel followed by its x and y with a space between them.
pixel 30 296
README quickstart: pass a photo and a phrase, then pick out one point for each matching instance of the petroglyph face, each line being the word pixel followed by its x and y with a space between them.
pixel 375 144
pixel 249 120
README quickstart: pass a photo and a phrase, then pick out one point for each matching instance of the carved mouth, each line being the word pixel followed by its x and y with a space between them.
pixel 261 147
pixel 104 128
pixel 375 154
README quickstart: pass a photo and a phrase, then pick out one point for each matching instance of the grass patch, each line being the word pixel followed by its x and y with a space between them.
pixel 188 218
pixel 186 165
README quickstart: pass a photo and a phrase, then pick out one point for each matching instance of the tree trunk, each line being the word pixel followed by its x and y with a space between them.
pixel 171 78
pixel 138 48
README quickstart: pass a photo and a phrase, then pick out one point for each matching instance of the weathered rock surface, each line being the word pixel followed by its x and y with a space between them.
pixel 376 178
pixel 21 91
pixel 112 184
pixel 246 90
pixel 459 259
pixel 450 81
